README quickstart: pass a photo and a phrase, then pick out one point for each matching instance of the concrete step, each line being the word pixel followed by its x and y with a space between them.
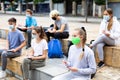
pixel 107 73
pixel 54 67
pixel 111 55
pixel 10 78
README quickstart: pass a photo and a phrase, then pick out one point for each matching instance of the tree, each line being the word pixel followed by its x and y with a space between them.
pixel 101 6
pixel 3 1
pixel 26 1
pixel 100 2
pixel 77 1
pixel 36 2
pixel 74 6
pixel 58 1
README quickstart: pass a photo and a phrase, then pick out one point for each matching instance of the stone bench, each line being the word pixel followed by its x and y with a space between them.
pixel 3 33
pixel 50 70
pixel 54 67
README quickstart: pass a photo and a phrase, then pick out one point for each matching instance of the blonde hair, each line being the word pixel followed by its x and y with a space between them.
pixel 82 32
pixel 54 13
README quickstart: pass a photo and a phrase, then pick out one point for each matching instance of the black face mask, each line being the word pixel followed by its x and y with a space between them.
pixel 54 18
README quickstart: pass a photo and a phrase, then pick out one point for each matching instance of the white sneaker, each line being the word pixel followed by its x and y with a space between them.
pixel 2 74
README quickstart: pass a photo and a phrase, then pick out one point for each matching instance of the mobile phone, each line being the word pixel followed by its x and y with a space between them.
pixel 9 50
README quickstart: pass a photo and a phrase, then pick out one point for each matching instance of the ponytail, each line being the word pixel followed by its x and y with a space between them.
pixel 110 12
pixel 82 31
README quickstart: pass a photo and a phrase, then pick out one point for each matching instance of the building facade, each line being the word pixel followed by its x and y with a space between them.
pixel 115 5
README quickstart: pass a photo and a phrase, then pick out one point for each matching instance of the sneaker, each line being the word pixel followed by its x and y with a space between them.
pixel 28 47
pixel 92 75
pixel 2 74
pixel 90 45
pixel 100 64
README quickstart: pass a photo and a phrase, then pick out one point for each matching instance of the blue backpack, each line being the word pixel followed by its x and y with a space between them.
pixel 55 49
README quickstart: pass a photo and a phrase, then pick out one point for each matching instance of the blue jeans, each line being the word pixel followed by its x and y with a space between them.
pixel 29 34
pixel 7 54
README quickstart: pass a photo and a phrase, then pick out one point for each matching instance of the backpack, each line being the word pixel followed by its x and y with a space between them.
pixel 55 49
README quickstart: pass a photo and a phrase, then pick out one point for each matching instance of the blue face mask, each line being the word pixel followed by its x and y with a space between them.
pixel 106 17
pixel 11 27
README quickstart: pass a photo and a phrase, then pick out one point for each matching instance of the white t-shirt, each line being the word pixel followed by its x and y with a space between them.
pixel 39 47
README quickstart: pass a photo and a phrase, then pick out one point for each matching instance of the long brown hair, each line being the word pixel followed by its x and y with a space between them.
pixel 82 32
pixel 40 31
pixel 110 12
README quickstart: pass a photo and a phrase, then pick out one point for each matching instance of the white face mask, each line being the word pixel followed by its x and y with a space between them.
pixel 106 17
pixel 11 27
pixel 34 36
pixel 28 15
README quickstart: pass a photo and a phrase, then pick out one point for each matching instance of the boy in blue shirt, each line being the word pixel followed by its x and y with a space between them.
pixel 15 42
pixel 30 23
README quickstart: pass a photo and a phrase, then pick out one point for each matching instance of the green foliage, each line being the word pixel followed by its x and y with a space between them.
pixel 58 1
pixel 100 2
pixel 28 0
pixel 5 0
pixel 77 0
pixel 37 1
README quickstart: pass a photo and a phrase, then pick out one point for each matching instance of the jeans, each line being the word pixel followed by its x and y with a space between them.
pixel 29 35
pixel 57 35
pixel 7 54
pixel 29 64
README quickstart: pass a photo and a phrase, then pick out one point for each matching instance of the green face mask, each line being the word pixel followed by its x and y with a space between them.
pixel 75 40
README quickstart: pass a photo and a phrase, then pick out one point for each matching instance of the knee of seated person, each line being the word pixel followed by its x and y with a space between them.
pixel 4 54
pixel 29 31
pixel 57 35
pixel 99 45
pixel 26 60
pixel 103 36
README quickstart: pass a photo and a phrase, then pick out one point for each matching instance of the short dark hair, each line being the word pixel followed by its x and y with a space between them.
pixel 12 20
pixel 29 11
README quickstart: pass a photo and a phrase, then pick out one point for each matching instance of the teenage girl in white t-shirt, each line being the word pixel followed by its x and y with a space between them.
pixel 38 53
